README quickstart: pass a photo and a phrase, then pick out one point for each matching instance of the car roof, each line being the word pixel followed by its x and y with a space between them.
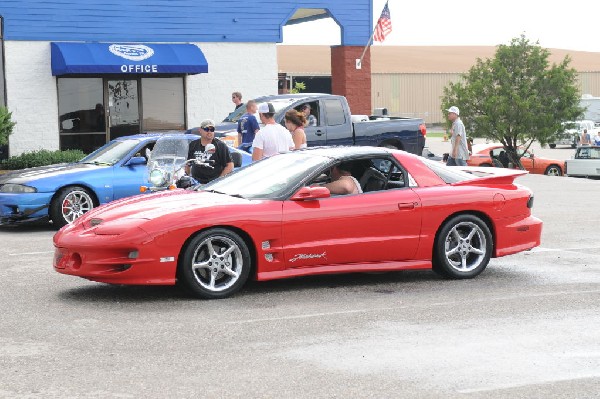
pixel 152 135
pixel 297 96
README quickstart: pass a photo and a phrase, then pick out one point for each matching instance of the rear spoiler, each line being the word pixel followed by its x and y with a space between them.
pixel 485 176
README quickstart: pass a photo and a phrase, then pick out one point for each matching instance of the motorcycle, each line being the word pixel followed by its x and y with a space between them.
pixel 165 169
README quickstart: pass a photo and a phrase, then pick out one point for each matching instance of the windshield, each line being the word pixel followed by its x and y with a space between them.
pixel 111 153
pixel 278 104
pixel 270 178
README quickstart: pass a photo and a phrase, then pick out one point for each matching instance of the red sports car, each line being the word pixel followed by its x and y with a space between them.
pixel 494 155
pixel 273 219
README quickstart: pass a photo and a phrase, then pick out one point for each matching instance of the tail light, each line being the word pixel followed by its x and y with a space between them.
pixel 423 129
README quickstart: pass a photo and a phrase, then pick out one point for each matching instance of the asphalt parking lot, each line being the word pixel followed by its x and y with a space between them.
pixel 529 326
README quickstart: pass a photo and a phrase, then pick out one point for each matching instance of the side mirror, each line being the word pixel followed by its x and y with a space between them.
pixel 135 161
pixel 236 157
pixel 311 193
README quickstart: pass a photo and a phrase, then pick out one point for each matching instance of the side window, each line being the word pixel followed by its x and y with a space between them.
pixel 311 111
pixel 375 174
pixel 335 112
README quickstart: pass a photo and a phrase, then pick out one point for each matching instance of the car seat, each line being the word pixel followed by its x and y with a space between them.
pixel 372 180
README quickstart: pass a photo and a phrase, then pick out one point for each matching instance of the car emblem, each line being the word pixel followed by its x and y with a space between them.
pixel 133 52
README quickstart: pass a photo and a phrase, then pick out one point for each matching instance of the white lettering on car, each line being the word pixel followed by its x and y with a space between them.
pixel 308 256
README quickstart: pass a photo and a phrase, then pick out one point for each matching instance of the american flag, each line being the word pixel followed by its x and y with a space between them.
pixel 384 25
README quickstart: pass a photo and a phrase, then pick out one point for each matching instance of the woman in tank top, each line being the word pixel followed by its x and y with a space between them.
pixel 295 121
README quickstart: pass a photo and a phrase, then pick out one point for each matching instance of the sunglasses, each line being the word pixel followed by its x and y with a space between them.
pixel 208 129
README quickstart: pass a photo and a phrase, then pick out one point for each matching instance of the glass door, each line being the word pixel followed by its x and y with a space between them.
pixel 123 108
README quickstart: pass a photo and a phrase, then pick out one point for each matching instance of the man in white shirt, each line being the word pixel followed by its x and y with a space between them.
pixel 272 138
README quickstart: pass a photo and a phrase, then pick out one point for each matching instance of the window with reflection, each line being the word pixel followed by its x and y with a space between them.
pixel 82 123
pixel 163 104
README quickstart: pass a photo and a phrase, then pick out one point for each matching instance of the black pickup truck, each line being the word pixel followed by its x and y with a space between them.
pixel 336 125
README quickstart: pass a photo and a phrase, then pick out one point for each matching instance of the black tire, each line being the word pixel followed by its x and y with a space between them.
pixel 553 170
pixel 215 264
pixel 553 145
pixel 69 204
pixel 487 165
pixel 463 247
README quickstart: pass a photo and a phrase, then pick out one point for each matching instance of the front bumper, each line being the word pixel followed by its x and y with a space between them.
pixel 18 208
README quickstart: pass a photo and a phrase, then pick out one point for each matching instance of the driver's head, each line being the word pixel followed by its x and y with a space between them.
pixel 207 129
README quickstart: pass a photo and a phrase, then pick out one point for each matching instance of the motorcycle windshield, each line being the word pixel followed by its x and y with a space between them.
pixel 167 160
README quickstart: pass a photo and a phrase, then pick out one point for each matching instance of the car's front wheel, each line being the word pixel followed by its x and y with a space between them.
pixel 69 204
pixel 462 248
pixel 215 264
pixel 553 170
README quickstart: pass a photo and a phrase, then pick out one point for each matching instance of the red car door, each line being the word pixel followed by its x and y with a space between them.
pixel 371 227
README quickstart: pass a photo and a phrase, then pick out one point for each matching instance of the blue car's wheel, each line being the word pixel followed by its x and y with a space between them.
pixel 69 204
pixel 215 264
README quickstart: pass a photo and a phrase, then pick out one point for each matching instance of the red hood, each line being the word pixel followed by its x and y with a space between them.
pixel 154 205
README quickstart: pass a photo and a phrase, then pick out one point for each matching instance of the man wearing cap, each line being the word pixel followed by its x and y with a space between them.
pixel 272 138
pixel 220 159
pixel 459 152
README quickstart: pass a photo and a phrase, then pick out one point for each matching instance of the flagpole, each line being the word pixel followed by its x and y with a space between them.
pixel 359 61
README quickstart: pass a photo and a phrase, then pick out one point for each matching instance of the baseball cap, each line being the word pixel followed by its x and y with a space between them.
pixel 206 123
pixel 454 109
pixel 266 108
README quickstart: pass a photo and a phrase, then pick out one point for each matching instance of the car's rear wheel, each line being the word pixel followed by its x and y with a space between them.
pixel 462 248
pixel 553 170
pixel 215 264
pixel 69 204
pixel 553 145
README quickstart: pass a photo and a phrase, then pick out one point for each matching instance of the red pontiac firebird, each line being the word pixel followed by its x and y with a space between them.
pixel 273 219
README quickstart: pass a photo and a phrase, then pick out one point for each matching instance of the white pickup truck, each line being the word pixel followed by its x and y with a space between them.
pixel 572 133
pixel 586 162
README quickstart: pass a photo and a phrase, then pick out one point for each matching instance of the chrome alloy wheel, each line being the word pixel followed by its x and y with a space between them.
pixel 217 263
pixel 75 204
pixel 465 247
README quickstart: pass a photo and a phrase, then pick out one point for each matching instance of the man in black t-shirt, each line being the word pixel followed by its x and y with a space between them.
pixel 220 158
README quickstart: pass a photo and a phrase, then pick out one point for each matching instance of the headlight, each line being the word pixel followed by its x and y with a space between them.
pixel 16 188
pixel 157 177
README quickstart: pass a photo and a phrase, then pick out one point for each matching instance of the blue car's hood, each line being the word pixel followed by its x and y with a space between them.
pixel 25 176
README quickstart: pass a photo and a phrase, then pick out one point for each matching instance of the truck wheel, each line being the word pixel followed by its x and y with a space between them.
pixel 553 145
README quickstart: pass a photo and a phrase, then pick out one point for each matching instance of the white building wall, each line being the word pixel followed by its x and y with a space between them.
pixel 31 96
pixel 250 68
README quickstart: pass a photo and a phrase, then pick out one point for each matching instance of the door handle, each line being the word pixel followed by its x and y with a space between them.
pixel 318 133
pixel 407 205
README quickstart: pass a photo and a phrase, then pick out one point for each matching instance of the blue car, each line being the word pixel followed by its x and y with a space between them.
pixel 62 193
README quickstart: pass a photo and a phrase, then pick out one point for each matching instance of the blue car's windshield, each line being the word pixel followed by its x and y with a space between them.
pixel 269 178
pixel 111 153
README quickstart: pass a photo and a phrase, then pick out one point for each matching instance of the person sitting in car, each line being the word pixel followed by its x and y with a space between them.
pixel 342 181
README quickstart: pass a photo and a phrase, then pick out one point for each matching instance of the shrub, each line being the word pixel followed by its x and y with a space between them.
pixel 6 125
pixel 41 158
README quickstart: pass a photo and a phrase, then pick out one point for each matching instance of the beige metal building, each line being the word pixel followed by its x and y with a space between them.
pixel 409 80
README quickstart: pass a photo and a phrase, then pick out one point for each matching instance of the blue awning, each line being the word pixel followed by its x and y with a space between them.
pixel 130 58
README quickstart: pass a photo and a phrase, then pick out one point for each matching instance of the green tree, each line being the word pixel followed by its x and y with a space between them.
pixel 517 97
pixel 6 125
pixel 298 87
